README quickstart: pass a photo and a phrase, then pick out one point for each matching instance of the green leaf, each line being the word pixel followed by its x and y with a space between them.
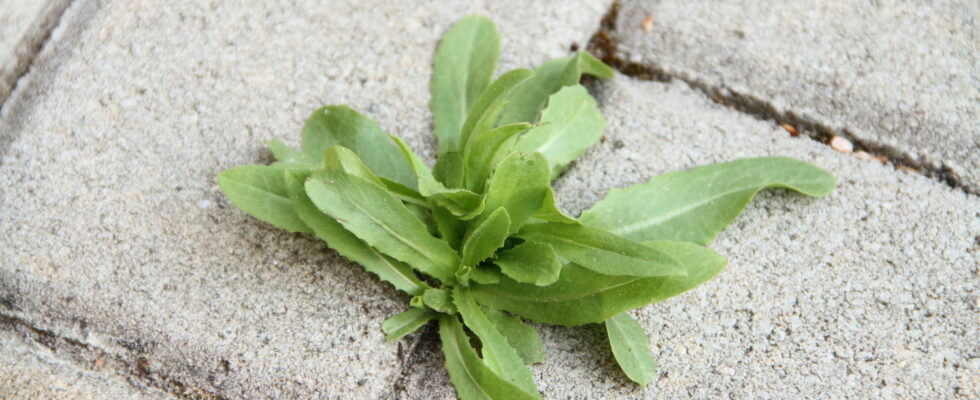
pixel 631 348
pixel 404 193
pixel 449 169
pixel 405 322
pixel 339 158
pixel 451 229
pixel 603 252
pixel 382 221
pixel 521 336
pixel 497 351
pixel 439 300
pixel 464 64
pixel 481 151
pixel 530 262
pixel 484 240
pixel 697 204
pixel 286 154
pixel 261 191
pixel 483 116
pixel 527 100
pixel 333 233
pixel 549 211
pixel 485 274
pixel 569 125
pixel 519 185
pixel 460 202
pixel 472 379
pixel 581 296
pixel 342 126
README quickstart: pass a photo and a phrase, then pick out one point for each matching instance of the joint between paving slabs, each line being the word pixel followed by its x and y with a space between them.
pixel 603 45
pixel 85 356
pixel 426 336
pixel 47 24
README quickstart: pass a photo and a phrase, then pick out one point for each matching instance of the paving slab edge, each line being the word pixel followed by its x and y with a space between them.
pixel 604 46
pixel 33 44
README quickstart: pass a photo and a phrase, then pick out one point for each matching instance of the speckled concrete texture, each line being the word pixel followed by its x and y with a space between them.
pixel 898 75
pixel 113 232
pixel 24 25
pixel 868 293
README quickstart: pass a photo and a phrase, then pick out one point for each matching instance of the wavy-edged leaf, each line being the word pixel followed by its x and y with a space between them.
pixel 341 240
pixel 484 240
pixel 485 112
pixel 464 65
pixel 261 191
pixel 697 204
pixel 581 296
pixel 405 322
pixel 631 348
pixel 570 124
pixel 460 202
pixel 603 252
pixel 498 354
pixel 481 150
pixel 439 300
pixel 472 379
pixel 549 211
pixel 521 336
pixel 342 126
pixel 519 185
pixel 530 262
pixel 382 221
pixel 527 100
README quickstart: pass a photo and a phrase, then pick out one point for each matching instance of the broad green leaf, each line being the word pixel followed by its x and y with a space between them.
pixel 464 65
pixel 631 348
pixel 527 100
pixel 697 204
pixel 460 202
pixel 603 252
pixel 530 262
pixel 498 354
pixel 549 211
pixel 481 150
pixel 485 274
pixel 581 296
pixel 521 336
pixel 439 300
pixel 519 185
pixel 404 193
pixel 405 322
pixel 286 154
pixel 472 379
pixel 342 126
pixel 449 169
pixel 339 158
pixel 569 125
pixel 451 229
pixel 261 191
pixel 484 114
pixel 345 243
pixel 382 221
pixel 484 240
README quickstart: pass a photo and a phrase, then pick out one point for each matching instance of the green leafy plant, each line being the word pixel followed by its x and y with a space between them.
pixel 478 241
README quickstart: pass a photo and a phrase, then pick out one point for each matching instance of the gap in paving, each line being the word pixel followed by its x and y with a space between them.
pixel 603 45
pixel 46 24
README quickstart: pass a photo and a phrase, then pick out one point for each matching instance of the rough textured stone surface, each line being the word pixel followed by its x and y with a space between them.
pixel 113 233
pixel 870 292
pixel 23 26
pixel 30 371
pixel 897 75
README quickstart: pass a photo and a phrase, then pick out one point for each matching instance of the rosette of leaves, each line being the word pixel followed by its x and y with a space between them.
pixel 478 241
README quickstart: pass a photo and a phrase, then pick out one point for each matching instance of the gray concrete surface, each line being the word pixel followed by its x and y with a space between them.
pixel 114 235
pixel 24 24
pixel 32 371
pixel 868 293
pixel 900 76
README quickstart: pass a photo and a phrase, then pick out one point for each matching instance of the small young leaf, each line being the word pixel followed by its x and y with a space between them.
pixel 405 322
pixel 261 191
pixel 345 243
pixel 460 202
pixel 379 219
pixel 449 169
pixel 342 126
pixel 404 193
pixel 486 238
pixel 523 337
pixel 631 348
pixel 519 185
pixel 581 296
pixel 498 354
pixel 472 379
pixel 481 150
pixel 697 204
pixel 569 125
pixel 464 65
pixel 451 229
pixel 549 211
pixel 439 300
pixel 483 116
pixel 603 252
pixel 485 275
pixel 527 100
pixel 530 262
pixel 286 154
pixel 339 158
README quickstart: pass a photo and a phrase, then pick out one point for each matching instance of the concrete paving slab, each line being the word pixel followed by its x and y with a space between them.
pixel 868 293
pixel 31 371
pixel 902 78
pixel 114 235
pixel 24 24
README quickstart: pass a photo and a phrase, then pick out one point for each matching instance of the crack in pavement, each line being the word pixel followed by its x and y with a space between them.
pixel 49 21
pixel 604 46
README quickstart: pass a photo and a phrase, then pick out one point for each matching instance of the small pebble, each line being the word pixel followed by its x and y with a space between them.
pixel 648 24
pixel 204 203
pixel 842 145
pixel 863 155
